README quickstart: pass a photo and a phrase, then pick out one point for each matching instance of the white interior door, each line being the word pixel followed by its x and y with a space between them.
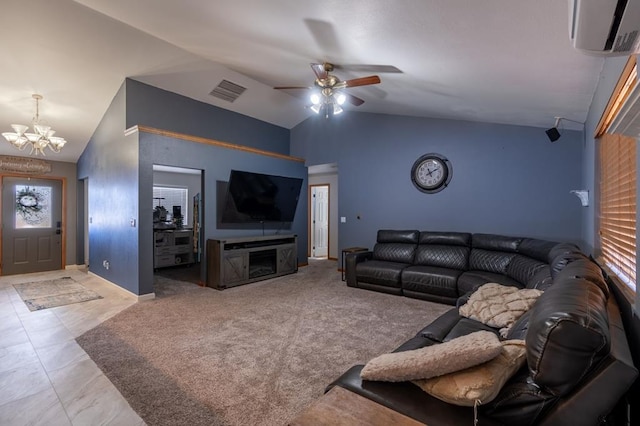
pixel 320 221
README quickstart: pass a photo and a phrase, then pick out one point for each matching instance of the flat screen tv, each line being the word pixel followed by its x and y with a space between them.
pixel 259 198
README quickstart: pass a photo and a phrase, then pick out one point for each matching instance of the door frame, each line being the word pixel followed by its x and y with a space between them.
pixel 63 228
pixel 309 218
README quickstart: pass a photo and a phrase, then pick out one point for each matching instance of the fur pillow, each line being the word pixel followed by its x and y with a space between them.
pixel 481 383
pixel 499 306
pixel 435 360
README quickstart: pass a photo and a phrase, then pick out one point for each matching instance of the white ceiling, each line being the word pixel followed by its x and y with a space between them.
pixel 499 61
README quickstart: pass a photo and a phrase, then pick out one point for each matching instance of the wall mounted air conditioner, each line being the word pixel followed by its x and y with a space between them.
pixel 605 27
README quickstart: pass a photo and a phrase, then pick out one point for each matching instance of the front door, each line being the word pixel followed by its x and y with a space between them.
pixel 31 225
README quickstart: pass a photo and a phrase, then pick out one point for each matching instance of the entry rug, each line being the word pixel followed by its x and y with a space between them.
pixel 51 293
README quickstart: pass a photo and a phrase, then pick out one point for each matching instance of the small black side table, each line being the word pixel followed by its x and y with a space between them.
pixel 346 251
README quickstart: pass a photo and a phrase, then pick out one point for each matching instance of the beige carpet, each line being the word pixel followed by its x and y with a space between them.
pixel 51 293
pixel 251 355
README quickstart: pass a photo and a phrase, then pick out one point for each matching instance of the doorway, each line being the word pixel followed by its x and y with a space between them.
pixel 32 226
pixel 319 221
pixel 177 223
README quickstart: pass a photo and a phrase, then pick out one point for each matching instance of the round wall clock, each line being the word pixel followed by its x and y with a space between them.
pixel 431 173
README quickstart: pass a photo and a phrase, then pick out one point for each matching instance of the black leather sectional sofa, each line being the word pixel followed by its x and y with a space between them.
pixel 442 266
pixel 578 363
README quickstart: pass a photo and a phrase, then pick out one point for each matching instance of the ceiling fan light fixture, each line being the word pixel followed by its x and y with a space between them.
pixel 315 98
pixel 340 98
pixel 316 108
pixel 337 109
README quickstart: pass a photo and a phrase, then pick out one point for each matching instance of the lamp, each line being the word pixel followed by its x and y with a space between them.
pixel 42 137
pixel 553 133
pixel 327 102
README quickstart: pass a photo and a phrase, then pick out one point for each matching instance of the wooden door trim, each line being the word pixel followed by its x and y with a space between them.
pixel 63 228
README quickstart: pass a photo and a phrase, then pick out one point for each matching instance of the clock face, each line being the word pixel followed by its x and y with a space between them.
pixel 431 173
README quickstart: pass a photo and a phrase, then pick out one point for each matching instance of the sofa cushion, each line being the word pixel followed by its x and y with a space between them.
pixel 470 280
pixel 455 257
pixel 490 261
pixel 563 254
pixel 380 272
pixel 434 360
pixel 568 334
pixel 587 269
pixel 431 279
pixel 495 242
pixel 395 236
pixel 536 249
pixel 416 342
pixel 479 384
pixel 445 238
pixel 541 280
pixel 523 269
pixel 467 326
pixel 394 252
pixel 499 306
pixel 519 329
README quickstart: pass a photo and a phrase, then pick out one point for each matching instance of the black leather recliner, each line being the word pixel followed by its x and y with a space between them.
pixel 578 360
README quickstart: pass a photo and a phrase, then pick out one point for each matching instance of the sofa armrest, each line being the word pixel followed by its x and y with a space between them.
pixel 351 260
pixel 441 326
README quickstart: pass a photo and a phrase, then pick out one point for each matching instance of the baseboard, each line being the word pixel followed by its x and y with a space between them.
pixel 148 296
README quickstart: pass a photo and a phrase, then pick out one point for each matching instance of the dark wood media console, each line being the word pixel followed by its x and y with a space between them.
pixel 236 261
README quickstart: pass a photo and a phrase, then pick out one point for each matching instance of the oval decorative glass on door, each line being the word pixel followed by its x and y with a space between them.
pixel 33 207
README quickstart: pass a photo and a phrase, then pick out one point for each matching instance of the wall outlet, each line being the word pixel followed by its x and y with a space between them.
pixel 106 264
pixel 343 219
pixel 133 223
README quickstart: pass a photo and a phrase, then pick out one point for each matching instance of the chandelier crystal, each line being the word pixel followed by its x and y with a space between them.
pixel 38 141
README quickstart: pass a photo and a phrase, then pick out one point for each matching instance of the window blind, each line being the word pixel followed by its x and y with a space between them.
pixel 173 196
pixel 618 205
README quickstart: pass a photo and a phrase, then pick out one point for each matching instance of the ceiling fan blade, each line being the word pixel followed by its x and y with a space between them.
pixel 369 68
pixel 319 71
pixel 363 81
pixel 353 100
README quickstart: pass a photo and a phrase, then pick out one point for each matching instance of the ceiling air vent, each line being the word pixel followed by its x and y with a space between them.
pixel 227 91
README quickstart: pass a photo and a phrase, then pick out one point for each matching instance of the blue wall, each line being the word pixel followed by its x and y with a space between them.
pixel 153 107
pixel 110 165
pixel 216 164
pixel 506 179
pixel 119 170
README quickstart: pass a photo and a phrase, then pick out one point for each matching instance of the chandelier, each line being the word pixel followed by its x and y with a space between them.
pixel 38 141
pixel 327 102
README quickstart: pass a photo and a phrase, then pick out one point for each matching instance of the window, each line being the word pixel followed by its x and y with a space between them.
pixel 617 156
pixel 168 197
pixel 617 186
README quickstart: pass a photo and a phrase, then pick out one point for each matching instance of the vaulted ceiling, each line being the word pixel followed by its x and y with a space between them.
pixel 499 61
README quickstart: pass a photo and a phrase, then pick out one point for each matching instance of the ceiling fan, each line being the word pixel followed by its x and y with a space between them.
pixel 327 94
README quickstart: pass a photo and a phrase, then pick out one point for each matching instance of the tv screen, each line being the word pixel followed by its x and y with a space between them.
pixel 256 197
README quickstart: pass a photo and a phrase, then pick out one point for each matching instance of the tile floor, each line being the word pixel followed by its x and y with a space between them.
pixel 45 376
